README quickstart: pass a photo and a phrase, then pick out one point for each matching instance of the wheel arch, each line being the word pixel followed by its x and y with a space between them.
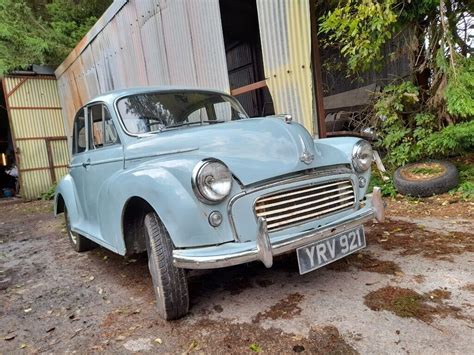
pixel 59 204
pixel 66 197
pixel 133 216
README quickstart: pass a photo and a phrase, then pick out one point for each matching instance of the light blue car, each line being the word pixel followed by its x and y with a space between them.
pixel 185 175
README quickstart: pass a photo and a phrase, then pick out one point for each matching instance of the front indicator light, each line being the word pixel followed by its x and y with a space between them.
pixel 215 218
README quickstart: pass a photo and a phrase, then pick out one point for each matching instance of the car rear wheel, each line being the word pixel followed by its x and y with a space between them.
pixel 169 282
pixel 78 242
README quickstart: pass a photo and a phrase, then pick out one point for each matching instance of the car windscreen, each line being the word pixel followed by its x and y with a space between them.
pixel 158 111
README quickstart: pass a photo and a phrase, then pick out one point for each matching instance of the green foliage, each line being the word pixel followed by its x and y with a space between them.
pixel 417 11
pixel 48 194
pixel 361 28
pixel 459 93
pixel 466 182
pixel 433 34
pixel 466 190
pixel 452 140
pixel 71 20
pixel 33 32
pixel 255 348
pixel 397 135
pixel 22 36
pixel 407 134
pixel 386 187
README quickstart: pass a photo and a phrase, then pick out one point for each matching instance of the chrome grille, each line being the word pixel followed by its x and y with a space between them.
pixel 303 204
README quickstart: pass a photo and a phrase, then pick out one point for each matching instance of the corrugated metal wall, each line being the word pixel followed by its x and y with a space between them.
pixel 138 43
pixel 285 33
pixel 34 112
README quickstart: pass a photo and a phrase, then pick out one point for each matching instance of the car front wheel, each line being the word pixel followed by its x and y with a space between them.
pixel 169 282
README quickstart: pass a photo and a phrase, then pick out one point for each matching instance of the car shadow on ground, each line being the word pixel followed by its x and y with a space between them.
pixel 203 284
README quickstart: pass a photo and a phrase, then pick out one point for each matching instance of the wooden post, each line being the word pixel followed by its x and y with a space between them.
pixel 316 67
pixel 50 160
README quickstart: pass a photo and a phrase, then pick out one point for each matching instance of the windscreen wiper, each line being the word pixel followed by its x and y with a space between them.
pixel 192 123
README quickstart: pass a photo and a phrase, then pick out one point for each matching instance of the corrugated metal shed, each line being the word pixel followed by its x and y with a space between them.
pixel 166 42
pixel 135 43
pixel 285 33
pixel 37 129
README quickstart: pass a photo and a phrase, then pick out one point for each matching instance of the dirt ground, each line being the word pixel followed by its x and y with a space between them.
pixel 410 291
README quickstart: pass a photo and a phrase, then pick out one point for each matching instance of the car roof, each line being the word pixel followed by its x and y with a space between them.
pixel 112 95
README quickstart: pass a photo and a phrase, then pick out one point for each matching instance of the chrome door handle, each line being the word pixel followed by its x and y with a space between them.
pixel 86 163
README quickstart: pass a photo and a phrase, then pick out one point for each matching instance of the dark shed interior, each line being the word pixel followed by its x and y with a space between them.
pixel 244 54
pixel 7 155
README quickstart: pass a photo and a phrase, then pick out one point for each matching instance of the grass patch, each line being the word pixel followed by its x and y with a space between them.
pixel 407 303
pixel 365 262
pixel 286 308
pixel 412 239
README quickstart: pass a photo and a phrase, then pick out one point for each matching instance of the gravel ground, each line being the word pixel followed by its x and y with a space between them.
pixel 410 291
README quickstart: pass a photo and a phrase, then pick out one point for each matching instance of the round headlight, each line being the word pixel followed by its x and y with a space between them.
pixel 362 156
pixel 212 181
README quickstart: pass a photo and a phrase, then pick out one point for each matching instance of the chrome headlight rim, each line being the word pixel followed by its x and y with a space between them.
pixel 198 191
pixel 357 156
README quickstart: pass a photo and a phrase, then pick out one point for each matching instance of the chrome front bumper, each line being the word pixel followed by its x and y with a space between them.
pixel 264 249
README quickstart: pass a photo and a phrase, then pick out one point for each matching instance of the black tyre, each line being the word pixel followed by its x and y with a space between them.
pixel 426 179
pixel 169 282
pixel 78 242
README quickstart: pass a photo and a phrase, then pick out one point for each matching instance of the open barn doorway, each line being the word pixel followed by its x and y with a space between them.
pixel 244 55
pixel 8 168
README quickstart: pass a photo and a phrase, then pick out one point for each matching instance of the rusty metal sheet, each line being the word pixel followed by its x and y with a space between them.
pixel 68 106
pixel 285 32
pixel 90 73
pixel 178 43
pixel 60 153
pixel 128 32
pixel 33 93
pixel 36 123
pixel 207 38
pixel 34 183
pixel 32 154
pixel 77 74
pixel 100 57
pixel 34 112
pixel 156 42
pixel 154 50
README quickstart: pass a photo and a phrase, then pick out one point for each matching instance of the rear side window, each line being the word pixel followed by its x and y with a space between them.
pixel 110 133
pixel 102 129
pixel 79 133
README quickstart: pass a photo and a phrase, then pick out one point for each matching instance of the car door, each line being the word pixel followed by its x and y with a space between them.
pixel 79 156
pixel 104 158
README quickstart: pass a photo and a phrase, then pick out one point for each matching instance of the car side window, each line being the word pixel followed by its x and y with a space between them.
pixel 79 133
pixel 110 133
pixel 102 131
pixel 198 115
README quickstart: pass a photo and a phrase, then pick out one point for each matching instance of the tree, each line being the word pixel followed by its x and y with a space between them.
pixel 43 31
pixel 432 113
pixel 437 41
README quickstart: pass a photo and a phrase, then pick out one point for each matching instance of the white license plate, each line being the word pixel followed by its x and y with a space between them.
pixel 323 252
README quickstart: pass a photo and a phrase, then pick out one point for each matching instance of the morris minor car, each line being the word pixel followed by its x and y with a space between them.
pixel 186 176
